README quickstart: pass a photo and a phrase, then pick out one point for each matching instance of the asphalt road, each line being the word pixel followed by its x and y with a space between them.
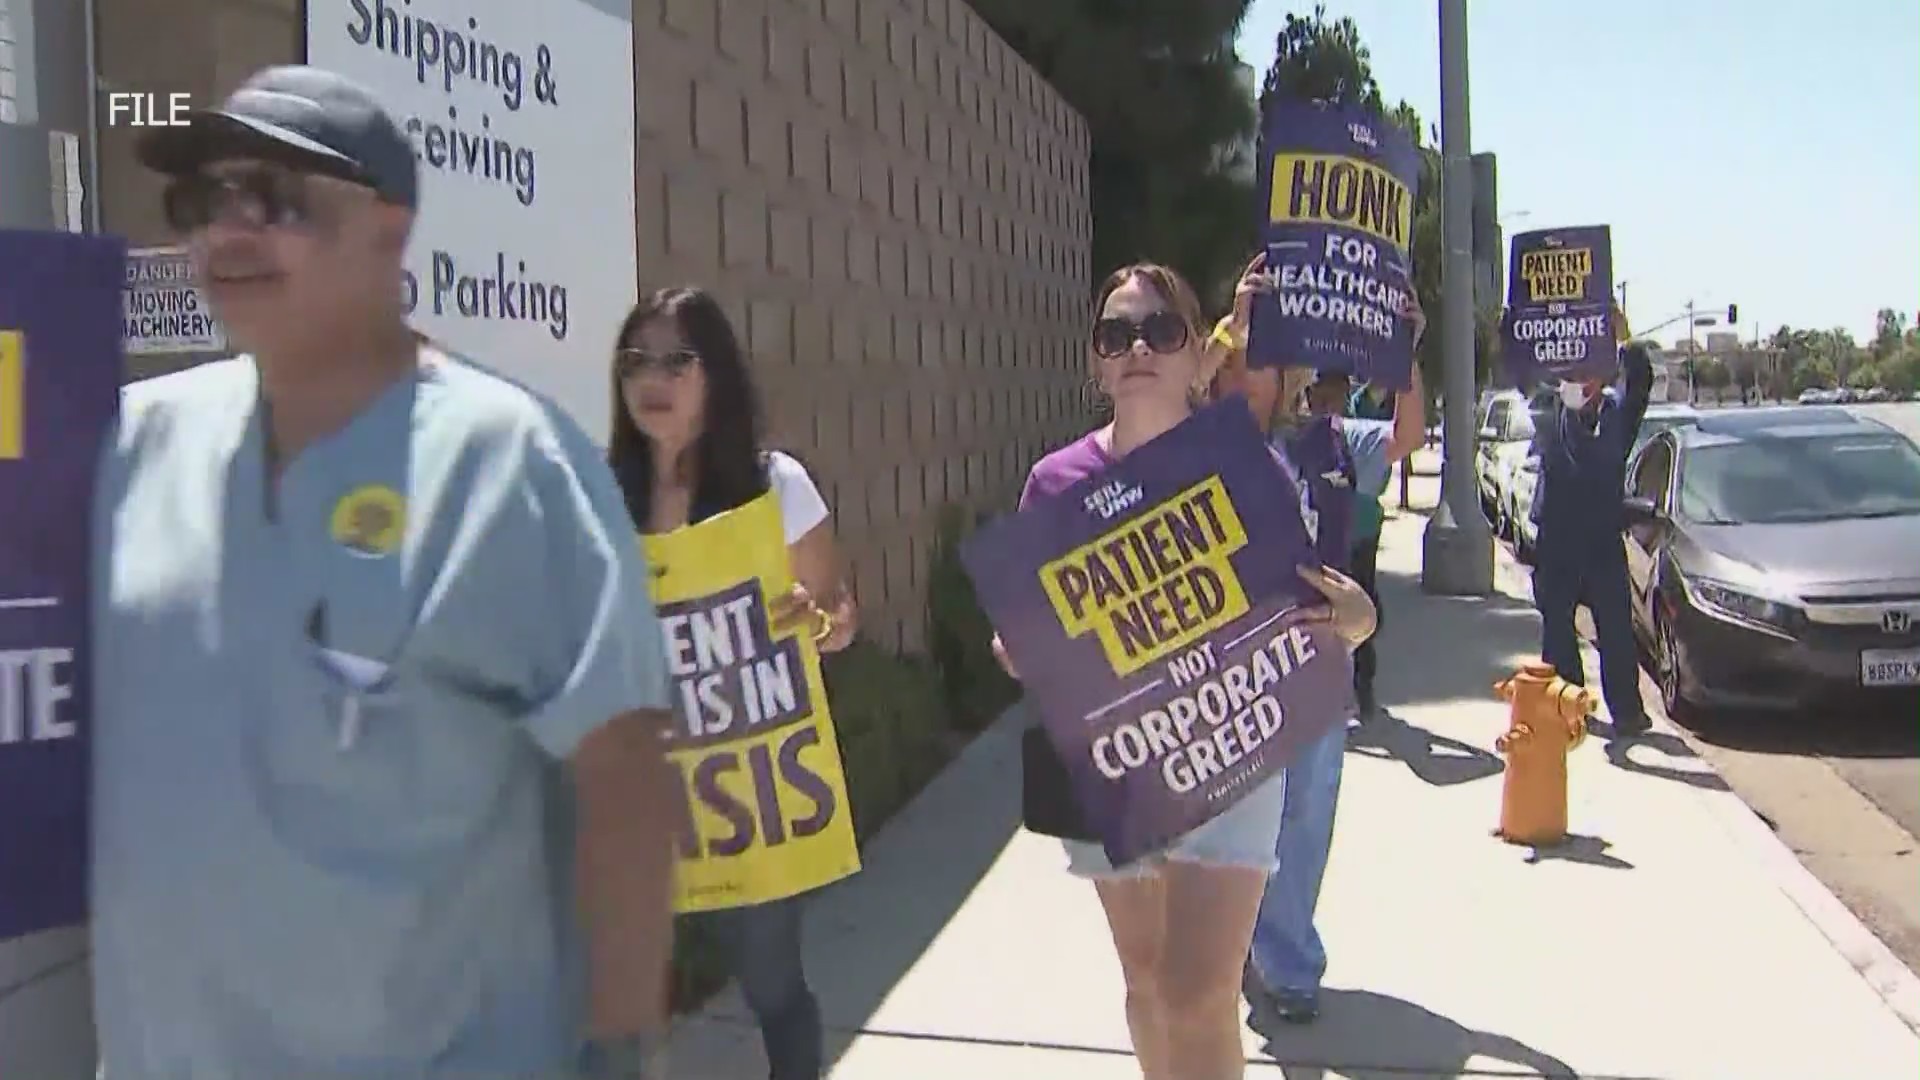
pixel 1841 789
pixel 1905 416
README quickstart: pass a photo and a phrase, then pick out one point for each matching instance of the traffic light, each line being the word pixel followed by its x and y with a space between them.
pixel 1733 314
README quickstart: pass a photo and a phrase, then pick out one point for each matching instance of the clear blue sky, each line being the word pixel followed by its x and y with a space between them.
pixel 1762 154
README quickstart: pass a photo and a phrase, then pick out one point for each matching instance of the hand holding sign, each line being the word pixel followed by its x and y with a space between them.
pixel 1254 280
pixel 1005 661
pixel 832 631
pixel 1348 608
pixel 1409 309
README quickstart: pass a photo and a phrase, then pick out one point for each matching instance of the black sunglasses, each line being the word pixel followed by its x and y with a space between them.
pixel 1162 331
pixel 257 198
pixel 631 362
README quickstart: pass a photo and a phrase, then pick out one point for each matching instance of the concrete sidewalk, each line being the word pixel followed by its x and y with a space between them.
pixel 1669 938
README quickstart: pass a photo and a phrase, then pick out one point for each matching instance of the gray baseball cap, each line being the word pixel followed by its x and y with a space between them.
pixel 304 118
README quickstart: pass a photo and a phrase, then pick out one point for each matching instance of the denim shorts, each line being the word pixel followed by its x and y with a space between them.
pixel 1244 835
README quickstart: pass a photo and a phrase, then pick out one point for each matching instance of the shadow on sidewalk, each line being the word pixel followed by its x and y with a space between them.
pixel 1436 759
pixel 1421 1042
pixel 1439 649
pixel 966 818
pixel 863 935
pixel 1620 753
pixel 1577 848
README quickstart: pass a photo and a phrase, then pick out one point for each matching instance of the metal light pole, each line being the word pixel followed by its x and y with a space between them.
pixel 1457 549
pixel 1693 360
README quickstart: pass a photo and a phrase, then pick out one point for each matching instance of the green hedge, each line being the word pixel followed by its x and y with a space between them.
pixel 898 717
pixel 959 637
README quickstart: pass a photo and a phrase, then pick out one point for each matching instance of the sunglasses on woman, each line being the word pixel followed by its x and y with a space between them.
pixel 257 198
pixel 1162 331
pixel 632 362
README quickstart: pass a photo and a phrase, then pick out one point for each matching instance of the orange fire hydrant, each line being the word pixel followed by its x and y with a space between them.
pixel 1549 719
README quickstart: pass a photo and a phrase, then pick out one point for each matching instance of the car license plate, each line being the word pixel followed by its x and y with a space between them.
pixel 1890 667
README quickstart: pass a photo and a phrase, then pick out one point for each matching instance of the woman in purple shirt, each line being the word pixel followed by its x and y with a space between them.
pixel 1181 920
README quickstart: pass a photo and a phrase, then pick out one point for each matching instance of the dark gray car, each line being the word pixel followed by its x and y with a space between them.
pixel 1777 565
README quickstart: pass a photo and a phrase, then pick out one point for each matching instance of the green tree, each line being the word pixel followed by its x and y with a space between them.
pixel 1318 60
pixel 1889 332
pixel 1778 379
pixel 1169 119
pixel 1901 373
pixel 1812 373
pixel 1712 373
pixel 1824 359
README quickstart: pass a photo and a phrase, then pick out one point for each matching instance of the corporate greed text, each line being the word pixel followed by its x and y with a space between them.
pixel 1557 277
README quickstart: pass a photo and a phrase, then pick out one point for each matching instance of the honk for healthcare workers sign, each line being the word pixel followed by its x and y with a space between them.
pixel 1337 186
pixel 1153 613
pixel 59 391
pixel 1560 320
pixel 755 746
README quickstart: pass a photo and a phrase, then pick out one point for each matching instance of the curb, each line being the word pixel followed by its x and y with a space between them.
pixel 1890 979
pixel 1893 981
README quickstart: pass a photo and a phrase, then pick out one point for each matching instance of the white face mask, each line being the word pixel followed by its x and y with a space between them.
pixel 1573 395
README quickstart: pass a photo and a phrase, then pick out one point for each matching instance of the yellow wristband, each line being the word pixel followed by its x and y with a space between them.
pixel 1224 334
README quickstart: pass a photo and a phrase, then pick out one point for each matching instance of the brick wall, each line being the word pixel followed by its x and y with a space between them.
pixel 892 204
pixel 895 207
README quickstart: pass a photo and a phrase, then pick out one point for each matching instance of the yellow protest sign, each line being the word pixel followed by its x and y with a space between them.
pixel 754 745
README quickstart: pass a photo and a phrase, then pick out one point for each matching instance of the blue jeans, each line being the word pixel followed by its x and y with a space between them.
pixel 1288 955
pixel 762 944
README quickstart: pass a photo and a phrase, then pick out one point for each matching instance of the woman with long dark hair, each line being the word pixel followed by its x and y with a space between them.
pixel 1181 920
pixel 686 445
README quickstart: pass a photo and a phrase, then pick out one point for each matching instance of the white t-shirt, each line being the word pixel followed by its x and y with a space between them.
pixel 801 507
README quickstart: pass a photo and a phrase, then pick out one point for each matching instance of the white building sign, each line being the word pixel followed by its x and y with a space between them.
pixel 19 87
pixel 521 116
pixel 165 309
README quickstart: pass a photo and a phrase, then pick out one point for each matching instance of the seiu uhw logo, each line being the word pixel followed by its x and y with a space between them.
pixel 1363 135
pixel 1113 498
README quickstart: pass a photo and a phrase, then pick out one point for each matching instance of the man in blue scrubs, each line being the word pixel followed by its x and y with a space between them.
pixel 1582 445
pixel 379 790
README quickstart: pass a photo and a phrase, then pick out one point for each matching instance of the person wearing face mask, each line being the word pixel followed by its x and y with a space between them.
pixel 1344 464
pixel 1578 558
pixel 1181 919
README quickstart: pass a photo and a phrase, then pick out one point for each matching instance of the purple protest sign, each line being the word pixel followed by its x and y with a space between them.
pixel 1337 185
pixel 1559 320
pixel 1152 610
pixel 59 391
